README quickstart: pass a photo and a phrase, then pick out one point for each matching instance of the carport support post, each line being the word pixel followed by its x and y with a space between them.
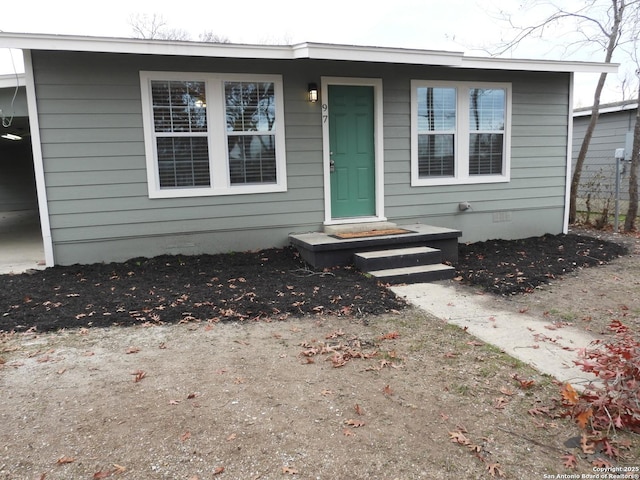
pixel 619 157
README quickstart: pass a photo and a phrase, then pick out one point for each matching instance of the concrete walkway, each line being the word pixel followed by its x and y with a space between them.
pixel 549 349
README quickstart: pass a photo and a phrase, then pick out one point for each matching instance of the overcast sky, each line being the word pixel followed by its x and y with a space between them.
pixel 471 26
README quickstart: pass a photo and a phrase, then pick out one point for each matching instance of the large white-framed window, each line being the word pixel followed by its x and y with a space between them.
pixel 460 132
pixel 213 134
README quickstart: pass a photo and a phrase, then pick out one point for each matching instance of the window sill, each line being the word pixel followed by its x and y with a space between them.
pixel 208 192
pixel 475 180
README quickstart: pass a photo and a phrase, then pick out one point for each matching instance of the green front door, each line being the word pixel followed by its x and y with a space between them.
pixel 352 152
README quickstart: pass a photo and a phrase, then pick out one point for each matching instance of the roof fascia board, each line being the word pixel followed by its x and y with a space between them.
pixel 356 53
pixel 586 112
pixel 139 46
pixel 490 63
pixel 319 51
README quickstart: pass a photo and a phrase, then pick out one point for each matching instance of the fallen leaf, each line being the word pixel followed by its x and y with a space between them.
pixel 138 375
pixel 475 343
pixel 131 350
pixel 324 393
pixel 387 390
pixel 583 418
pixel 358 409
pixel 102 474
pixel 218 471
pixel 506 391
pixel 494 470
pixel 119 469
pixel 334 334
pixel 459 437
pixel 569 394
pixel 500 403
pixel 609 449
pixel 347 432
pixel 354 423
pixel 174 402
pixel 538 411
pixel 389 336
pixel 185 436
pixel 65 459
pixel 587 446
pixel 524 383
pixel 231 437
pixel 570 460
pixel 290 471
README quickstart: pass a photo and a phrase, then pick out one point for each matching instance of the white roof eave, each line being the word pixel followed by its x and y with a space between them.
pixel 318 51
pixel 12 80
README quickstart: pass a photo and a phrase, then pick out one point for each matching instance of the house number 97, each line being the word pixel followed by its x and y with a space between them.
pixel 325 112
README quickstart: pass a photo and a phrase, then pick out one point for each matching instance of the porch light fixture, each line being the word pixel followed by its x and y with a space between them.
pixel 11 136
pixel 313 92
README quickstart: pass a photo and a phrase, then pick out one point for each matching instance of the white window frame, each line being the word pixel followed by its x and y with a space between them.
pixel 220 183
pixel 461 174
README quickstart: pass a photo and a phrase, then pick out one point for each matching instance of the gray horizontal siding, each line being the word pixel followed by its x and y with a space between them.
pixel 538 165
pixel 94 157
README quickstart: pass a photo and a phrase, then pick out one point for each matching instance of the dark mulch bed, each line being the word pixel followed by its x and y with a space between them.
pixel 271 284
pixel 509 267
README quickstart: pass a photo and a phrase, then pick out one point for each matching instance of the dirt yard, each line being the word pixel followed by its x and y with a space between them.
pixel 361 388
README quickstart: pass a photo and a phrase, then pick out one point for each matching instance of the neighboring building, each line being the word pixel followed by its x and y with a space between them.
pixel 146 147
pixel 613 131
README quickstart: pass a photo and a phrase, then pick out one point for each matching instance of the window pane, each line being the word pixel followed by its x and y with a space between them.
pixel 250 106
pixel 183 162
pixel 252 159
pixel 435 156
pixel 179 106
pixel 486 153
pixel 486 109
pixel 436 109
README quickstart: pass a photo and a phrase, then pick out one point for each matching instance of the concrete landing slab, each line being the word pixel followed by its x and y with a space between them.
pixel 548 348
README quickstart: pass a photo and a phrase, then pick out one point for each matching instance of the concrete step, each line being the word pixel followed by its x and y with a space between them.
pixel 415 274
pixel 396 257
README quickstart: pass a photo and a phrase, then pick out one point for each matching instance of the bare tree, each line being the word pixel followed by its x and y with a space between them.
pixel 606 24
pixel 209 37
pixel 632 211
pixel 154 27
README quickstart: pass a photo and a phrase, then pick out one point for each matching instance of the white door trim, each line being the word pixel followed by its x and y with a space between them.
pixel 376 83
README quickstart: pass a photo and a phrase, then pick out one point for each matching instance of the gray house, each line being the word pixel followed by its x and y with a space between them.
pixel 147 147
pixel 613 131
